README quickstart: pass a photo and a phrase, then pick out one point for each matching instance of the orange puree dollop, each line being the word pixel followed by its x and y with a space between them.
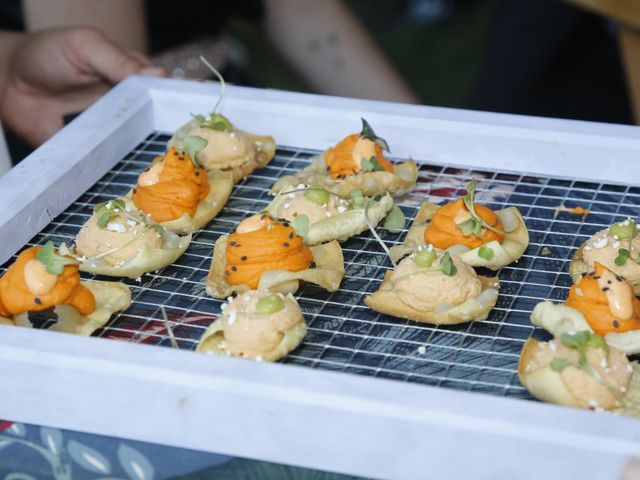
pixel 443 231
pixel 16 296
pixel 177 190
pixel 345 158
pixel 270 246
pixel 606 301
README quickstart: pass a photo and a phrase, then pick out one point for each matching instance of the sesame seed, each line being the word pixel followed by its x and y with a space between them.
pixel 616 324
pixel 291 235
pixel 197 173
pixel 243 258
pixel 38 301
pixel 286 244
pixel 234 268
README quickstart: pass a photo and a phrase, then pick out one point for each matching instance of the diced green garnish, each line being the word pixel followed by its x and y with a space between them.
pixel 425 258
pixel 623 230
pixel 301 225
pixel 317 195
pixel 485 252
pixel 394 220
pixel 269 305
pixel 559 364
pixel 357 200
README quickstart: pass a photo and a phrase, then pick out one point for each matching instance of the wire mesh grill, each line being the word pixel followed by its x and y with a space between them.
pixel 344 334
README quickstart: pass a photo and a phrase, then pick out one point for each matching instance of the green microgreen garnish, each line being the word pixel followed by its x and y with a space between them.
pixel 475 224
pixel 394 220
pixel 357 199
pixel 625 230
pixel 317 195
pixel 368 133
pixel 424 258
pixel 485 252
pixel 370 165
pixel 270 304
pixel 623 256
pixel 583 341
pixel 301 225
pixel 107 211
pixel 559 364
pixel 53 262
pixel 470 227
pixel 218 122
pixel 191 145
pixel 447 266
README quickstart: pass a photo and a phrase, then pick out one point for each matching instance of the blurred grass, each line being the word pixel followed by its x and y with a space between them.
pixel 439 60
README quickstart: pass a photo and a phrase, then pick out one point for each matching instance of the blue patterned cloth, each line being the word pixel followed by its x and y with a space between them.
pixel 33 452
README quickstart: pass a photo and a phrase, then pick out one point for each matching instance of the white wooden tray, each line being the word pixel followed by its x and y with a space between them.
pixel 359 424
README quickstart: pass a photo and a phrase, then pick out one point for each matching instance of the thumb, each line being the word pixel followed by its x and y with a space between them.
pixel 106 59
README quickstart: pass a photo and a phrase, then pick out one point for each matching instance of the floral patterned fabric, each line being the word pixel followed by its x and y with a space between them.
pixel 30 452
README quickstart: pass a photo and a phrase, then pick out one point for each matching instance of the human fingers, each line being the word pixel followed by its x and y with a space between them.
pixel 104 58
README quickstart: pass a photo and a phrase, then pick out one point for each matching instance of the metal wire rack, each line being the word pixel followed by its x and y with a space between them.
pixel 344 334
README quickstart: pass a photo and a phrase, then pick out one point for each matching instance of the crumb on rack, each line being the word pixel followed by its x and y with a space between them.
pixel 545 251
pixel 572 210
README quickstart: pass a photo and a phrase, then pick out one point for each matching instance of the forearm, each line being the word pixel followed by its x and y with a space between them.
pixel 123 21
pixel 331 49
pixel 8 43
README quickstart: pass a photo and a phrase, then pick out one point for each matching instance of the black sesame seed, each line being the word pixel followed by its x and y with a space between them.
pixel 134 190
pixel 620 278
pixel 197 173
pixel 180 157
pixel 605 289
pixel 616 324
pixel 286 244
pixel 232 243
pixel 286 224
pixel 583 274
pixel 243 258
pixel 237 245
pixel 234 268
pixel 609 282
pixel 38 301
pixel 226 272
pixel 291 235
pixel 312 265
pixel 596 277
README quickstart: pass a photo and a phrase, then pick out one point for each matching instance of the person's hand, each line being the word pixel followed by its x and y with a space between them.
pixel 56 72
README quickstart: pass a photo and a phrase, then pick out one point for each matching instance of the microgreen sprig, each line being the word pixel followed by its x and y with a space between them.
pixel 368 133
pixel 192 145
pixel 107 211
pixel 53 262
pixel 475 223
pixel 371 164
pixel 583 341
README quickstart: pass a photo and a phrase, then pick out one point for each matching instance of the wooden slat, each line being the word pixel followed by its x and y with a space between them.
pixel 630 48
pixel 624 11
